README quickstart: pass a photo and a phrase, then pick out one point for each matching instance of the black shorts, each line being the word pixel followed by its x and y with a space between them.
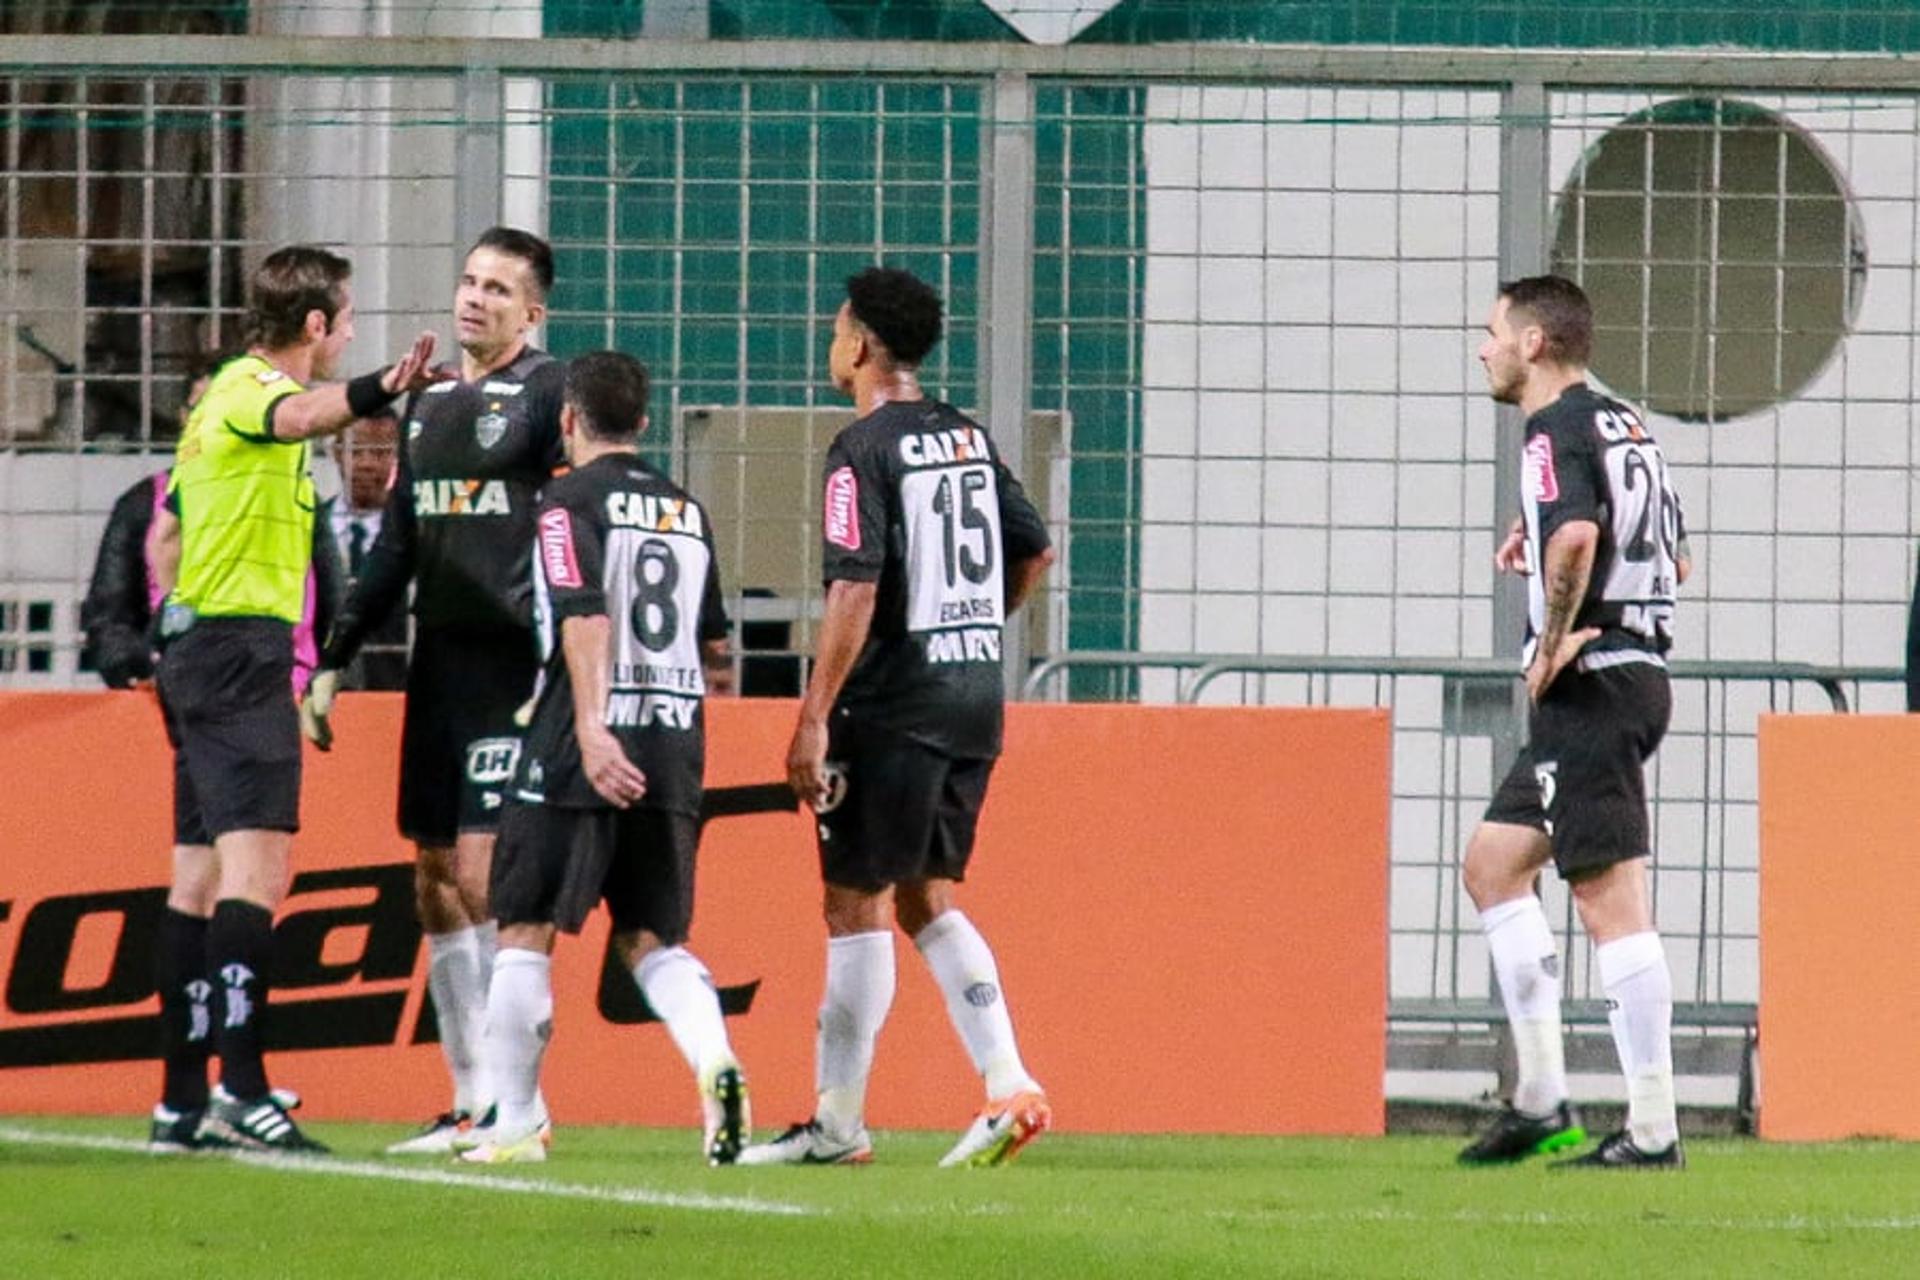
pixel 226 695
pixel 554 865
pixel 459 744
pixel 1581 777
pixel 899 811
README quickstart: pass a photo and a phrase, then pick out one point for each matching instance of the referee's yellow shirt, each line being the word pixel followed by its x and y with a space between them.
pixel 245 501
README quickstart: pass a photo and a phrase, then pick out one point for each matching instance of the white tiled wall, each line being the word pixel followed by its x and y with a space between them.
pixel 1318 469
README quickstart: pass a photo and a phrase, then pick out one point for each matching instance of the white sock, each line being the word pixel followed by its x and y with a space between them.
pixel 860 978
pixel 1640 1001
pixel 681 992
pixel 457 975
pixel 487 933
pixel 962 964
pixel 519 1024
pixel 1528 967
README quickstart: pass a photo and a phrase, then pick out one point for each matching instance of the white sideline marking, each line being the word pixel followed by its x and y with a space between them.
pixel 431 1177
pixel 1476 1217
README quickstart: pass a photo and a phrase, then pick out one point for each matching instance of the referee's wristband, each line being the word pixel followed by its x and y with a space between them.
pixel 366 395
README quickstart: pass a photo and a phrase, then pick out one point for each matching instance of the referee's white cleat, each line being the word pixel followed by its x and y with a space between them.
pixel 808 1143
pixel 1001 1130
pixel 727 1119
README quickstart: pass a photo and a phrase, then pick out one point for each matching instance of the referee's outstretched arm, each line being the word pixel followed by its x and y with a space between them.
pixel 325 410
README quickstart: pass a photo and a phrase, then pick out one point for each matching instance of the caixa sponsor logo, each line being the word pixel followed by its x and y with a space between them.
pixel 346 950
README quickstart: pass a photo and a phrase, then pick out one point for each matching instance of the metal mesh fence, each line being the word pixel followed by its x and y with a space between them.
pixel 1246 355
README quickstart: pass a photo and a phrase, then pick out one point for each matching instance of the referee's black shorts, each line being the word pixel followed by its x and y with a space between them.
pixel 1581 778
pixel 459 744
pixel 553 865
pixel 226 694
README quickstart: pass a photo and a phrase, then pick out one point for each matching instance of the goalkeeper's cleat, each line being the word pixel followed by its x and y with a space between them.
pixel 1617 1151
pixel 175 1132
pixel 1514 1135
pixel 727 1120
pixel 808 1143
pixel 259 1124
pixel 440 1136
pixel 1001 1129
pixel 497 1148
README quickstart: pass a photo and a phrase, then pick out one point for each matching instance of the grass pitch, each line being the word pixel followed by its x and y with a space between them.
pixel 638 1203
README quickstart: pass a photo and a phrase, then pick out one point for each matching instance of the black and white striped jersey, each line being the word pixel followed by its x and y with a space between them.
pixel 918 501
pixel 1590 457
pixel 618 539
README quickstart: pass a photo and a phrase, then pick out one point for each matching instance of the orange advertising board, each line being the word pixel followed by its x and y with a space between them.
pixel 1839 880
pixel 1174 895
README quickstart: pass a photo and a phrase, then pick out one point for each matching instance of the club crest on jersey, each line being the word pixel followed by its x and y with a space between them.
pixel 414 428
pixel 1541 484
pixel 840 512
pixel 489 429
pixel 557 559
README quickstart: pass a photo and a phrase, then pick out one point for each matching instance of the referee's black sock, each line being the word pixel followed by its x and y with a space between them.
pixel 186 1016
pixel 239 946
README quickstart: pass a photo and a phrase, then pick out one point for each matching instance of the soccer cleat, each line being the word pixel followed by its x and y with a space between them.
pixel 174 1132
pixel 808 1143
pixel 1000 1130
pixel 439 1137
pixel 1514 1135
pixel 1616 1151
pixel 494 1148
pixel 480 1133
pixel 727 1118
pixel 261 1124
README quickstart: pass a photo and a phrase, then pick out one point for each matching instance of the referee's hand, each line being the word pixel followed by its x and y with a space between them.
pixel 316 709
pixel 414 371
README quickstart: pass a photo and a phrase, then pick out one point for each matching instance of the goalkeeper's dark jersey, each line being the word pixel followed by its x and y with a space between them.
pixel 459 516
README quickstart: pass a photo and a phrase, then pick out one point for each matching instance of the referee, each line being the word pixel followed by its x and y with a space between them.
pixel 231 549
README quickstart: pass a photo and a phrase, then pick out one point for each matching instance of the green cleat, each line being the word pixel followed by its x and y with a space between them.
pixel 1514 1135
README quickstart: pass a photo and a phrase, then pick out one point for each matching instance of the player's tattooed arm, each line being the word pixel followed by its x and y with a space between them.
pixel 1569 565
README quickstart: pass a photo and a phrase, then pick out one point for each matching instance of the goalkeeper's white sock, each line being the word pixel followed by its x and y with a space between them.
pixel 1528 968
pixel 1640 989
pixel 457 979
pixel 963 965
pixel 519 1025
pixel 860 981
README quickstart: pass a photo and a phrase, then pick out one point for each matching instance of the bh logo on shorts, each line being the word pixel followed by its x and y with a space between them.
pixel 1546 776
pixel 490 761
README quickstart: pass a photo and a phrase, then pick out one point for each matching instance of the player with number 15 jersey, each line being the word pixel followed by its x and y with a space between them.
pixel 928 545
pixel 917 499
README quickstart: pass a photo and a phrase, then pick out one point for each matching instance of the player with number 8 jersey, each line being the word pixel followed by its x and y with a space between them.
pixel 605 804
